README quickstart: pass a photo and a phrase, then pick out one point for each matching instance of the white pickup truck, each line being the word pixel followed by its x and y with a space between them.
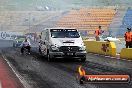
pixel 61 43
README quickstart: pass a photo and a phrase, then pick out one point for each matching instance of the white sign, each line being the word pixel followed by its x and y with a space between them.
pixel 9 35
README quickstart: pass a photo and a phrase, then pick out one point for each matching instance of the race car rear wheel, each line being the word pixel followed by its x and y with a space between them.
pixel 83 59
pixel 82 80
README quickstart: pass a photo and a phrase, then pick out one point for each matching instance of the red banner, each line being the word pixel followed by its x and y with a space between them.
pixel 107 78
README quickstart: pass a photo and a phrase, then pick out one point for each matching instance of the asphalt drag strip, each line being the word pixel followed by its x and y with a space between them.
pixel 39 73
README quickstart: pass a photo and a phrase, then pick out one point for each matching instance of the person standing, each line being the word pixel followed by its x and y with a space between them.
pixel 98 33
pixel 128 38
pixel 35 37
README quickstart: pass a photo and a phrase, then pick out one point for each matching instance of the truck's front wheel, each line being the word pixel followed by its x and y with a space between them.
pixel 49 58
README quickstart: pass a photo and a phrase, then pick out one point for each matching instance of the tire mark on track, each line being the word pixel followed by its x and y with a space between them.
pixel 98 68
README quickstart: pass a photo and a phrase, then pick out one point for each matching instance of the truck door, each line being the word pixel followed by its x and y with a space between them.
pixel 42 43
pixel 45 43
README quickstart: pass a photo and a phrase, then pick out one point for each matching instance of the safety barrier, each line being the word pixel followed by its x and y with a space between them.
pixel 101 47
pixel 126 53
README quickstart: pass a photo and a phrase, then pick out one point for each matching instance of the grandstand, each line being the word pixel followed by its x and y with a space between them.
pixel 86 15
pixel 88 18
pixel 114 27
pixel 127 22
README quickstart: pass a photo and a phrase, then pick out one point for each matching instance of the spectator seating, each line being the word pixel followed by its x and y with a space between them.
pixel 88 18
pixel 127 22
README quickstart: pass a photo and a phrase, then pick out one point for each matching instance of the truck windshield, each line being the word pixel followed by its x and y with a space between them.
pixel 64 33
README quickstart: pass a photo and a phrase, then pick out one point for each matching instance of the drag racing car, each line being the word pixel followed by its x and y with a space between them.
pixel 18 41
pixel 61 43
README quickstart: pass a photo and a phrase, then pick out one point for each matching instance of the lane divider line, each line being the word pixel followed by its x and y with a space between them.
pixel 118 58
pixel 0 85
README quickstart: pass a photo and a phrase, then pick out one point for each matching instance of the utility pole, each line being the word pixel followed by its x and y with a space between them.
pixel 29 20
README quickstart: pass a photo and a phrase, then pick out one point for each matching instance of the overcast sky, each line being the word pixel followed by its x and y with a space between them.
pixel 58 4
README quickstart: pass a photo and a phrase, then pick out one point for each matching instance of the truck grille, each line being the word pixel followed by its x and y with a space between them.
pixel 69 48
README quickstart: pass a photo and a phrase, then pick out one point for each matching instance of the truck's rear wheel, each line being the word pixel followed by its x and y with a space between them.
pixel 40 53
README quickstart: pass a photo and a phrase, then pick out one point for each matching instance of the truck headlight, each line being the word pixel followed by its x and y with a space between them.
pixel 83 48
pixel 55 48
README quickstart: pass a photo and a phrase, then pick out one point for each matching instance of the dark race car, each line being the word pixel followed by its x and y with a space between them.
pixel 18 41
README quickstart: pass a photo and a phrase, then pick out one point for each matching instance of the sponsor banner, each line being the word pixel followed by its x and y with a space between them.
pixel 107 78
pixel 9 35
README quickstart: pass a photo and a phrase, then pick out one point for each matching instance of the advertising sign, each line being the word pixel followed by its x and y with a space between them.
pixel 9 35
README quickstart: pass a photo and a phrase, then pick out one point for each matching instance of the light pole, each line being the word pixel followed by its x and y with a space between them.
pixel 29 20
